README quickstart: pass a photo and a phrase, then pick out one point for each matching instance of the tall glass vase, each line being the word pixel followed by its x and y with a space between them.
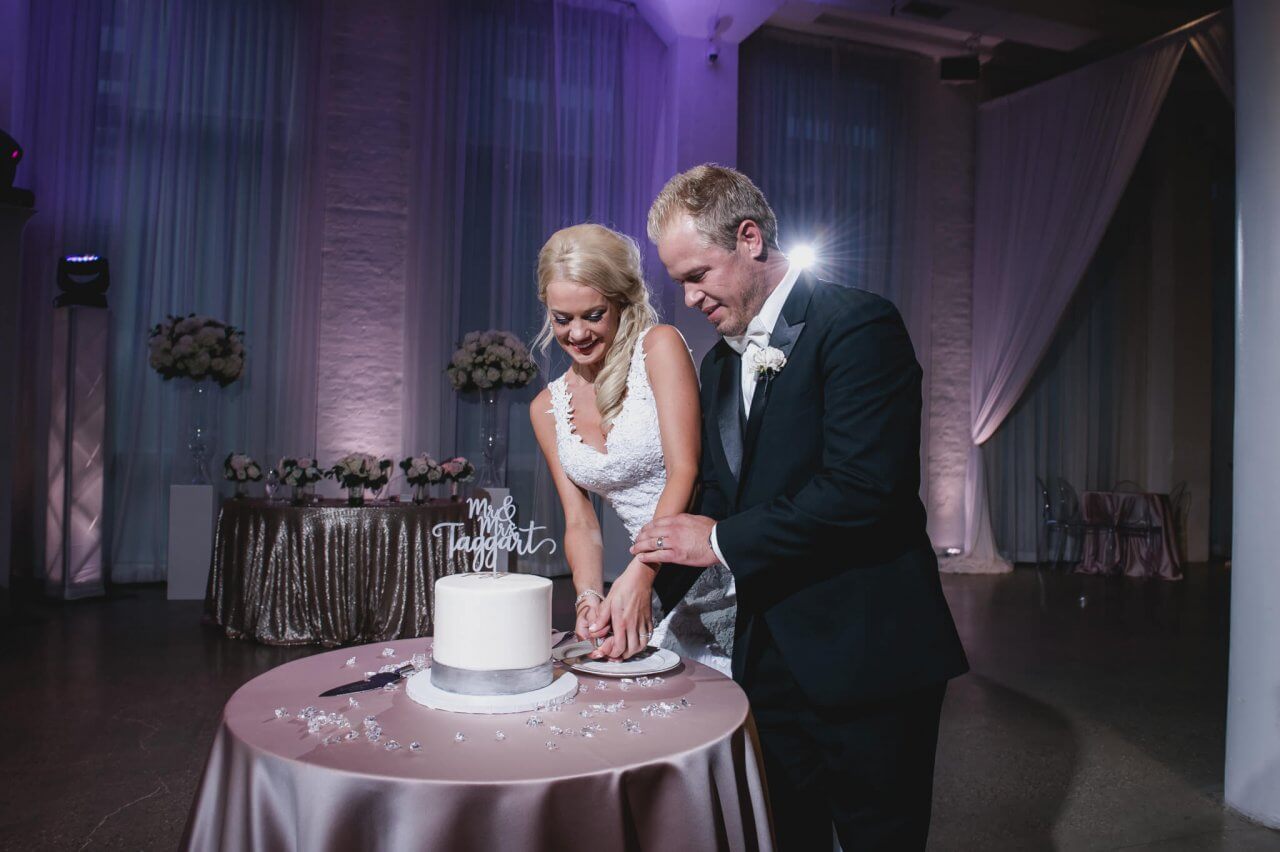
pixel 198 400
pixel 493 438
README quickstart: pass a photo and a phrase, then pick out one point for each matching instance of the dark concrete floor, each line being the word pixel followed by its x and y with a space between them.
pixel 1087 723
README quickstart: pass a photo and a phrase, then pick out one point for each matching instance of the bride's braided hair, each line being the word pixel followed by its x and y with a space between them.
pixel 609 263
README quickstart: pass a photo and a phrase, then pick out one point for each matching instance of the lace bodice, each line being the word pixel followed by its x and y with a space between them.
pixel 631 473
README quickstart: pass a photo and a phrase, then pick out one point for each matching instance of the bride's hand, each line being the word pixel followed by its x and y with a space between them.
pixel 627 612
pixel 589 612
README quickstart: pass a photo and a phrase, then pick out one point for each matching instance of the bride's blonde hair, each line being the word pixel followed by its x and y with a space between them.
pixel 609 263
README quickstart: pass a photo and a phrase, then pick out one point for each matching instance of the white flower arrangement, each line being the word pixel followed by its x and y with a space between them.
pixel 299 472
pixel 421 470
pixel 768 362
pixel 361 470
pixel 458 469
pixel 196 347
pixel 490 359
pixel 239 467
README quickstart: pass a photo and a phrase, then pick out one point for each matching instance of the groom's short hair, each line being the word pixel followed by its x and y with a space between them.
pixel 718 199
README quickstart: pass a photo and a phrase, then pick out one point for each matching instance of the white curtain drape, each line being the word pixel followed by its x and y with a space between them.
pixel 176 140
pixel 1053 162
pixel 533 116
pixel 1136 384
pixel 1212 43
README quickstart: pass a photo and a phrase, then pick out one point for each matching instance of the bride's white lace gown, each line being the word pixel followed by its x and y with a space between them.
pixel 631 474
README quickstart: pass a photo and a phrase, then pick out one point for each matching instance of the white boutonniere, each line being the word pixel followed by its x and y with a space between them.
pixel 769 362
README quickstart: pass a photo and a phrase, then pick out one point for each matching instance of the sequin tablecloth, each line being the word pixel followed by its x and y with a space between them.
pixel 327 573
pixel 690 780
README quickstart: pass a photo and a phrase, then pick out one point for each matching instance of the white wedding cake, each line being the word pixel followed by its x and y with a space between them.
pixel 492 633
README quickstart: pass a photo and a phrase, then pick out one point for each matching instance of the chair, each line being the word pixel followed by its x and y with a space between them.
pixel 1050 530
pixel 1069 518
pixel 1073 522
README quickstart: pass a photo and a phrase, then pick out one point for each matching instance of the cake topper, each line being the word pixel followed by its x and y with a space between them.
pixel 498 532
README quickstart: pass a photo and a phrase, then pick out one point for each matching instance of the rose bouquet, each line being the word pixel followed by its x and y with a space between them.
pixel 299 473
pixel 455 470
pixel 487 360
pixel 241 469
pixel 421 471
pixel 358 471
pixel 196 347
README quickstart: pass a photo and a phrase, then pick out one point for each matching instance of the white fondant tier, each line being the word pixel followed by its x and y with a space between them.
pixel 492 622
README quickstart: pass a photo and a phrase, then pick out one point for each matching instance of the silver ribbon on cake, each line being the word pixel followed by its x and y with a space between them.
pixel 495 682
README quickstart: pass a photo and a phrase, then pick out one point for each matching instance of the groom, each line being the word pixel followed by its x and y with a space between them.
pixel 810 475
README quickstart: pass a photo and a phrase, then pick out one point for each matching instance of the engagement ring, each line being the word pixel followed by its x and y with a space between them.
pixel 659 542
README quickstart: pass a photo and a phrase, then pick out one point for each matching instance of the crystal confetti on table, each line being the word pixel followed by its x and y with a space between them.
pixel 351 735
pixel 582 687
pixel 389 667
pixel 351 661
pixel 351 702
pixel 307 712
pixel 391 745
pixel 625 684
pixel 415 746
pixel 281 712
pixel 586 714
pixel 612 707
pixel 533 721
pixel 631 727
pixel 499 736
pixel 459 737
pixel 388 652
pixel 601 685
pixel 419 661
pixel 551 746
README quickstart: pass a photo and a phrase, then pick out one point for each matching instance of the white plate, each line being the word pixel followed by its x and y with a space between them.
pixel 658 661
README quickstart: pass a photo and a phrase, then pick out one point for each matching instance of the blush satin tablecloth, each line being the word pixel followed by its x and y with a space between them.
pixel 692 781
pixel 327 573
pixel 1105 552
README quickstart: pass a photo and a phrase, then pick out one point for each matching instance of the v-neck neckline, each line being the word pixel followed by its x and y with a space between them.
pixel 573 426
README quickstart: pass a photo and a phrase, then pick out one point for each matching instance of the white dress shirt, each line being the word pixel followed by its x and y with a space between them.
pixel 752 341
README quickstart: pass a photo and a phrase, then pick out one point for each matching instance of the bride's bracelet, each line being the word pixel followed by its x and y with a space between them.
pixel 582 597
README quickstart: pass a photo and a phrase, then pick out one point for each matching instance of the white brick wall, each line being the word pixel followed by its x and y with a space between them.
pixel 953 128
pixel 361 346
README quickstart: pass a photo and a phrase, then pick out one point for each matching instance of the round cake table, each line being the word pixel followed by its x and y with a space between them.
pixel 653 774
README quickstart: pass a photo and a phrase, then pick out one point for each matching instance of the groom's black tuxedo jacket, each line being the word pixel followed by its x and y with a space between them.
pixel 816 498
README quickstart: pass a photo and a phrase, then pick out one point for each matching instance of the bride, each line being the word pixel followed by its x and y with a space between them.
pixel 622 422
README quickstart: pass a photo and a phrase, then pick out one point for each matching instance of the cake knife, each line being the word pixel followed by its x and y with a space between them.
pixel 377 681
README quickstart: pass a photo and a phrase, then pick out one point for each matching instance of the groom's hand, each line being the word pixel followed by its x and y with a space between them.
pixel 682 539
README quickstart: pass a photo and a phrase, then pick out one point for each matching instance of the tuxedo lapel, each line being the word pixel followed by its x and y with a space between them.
pixel 785 334
pixel 729 411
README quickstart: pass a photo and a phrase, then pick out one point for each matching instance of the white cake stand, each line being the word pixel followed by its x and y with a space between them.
pixel 420 688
